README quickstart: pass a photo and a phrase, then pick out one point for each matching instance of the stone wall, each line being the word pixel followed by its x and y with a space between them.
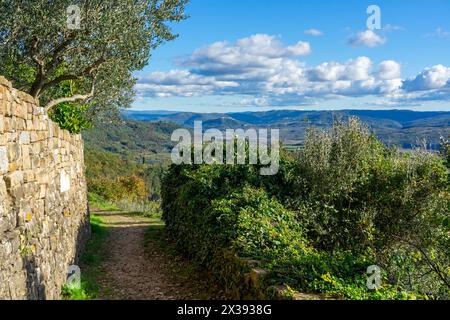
pixel 43 202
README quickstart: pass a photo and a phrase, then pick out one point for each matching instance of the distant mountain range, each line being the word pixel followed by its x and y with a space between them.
pixel 402 128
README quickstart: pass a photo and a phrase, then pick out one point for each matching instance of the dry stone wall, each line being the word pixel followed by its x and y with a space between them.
pixel 43 202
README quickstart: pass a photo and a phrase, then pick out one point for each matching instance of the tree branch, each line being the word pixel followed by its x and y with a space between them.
pixel 40 78
pixel 58 50
pixel 60 79
pixel 94 66
pixel 73 98
pixel 433 266
pixel 87 72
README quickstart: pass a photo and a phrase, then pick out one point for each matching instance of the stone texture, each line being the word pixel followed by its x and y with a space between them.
pixel 42 230
pixel 4 163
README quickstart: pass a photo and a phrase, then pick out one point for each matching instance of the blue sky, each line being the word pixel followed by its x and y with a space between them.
pixel 290 54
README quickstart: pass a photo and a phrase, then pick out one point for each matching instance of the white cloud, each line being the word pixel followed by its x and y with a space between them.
pixel 265 45
pixel 301 48
pixel 389 69
pixel 261 68
pixel 352 70
pixel 179 83
pixel 314 32
pixel 366 38
pixel 327 71
pixel 358 69
pixel 436 77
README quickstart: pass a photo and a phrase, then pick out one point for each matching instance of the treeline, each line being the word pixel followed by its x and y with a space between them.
pixel 340 204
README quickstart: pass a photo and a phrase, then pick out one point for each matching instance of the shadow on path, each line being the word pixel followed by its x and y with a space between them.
pixel 136 271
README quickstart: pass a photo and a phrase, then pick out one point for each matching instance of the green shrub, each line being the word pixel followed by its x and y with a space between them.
pixel 70 116
pixel 353 193
pixel 342 203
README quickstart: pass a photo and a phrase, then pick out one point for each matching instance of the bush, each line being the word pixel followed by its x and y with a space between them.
pixel 355 194
pixel 342 203
pixel 247 222
pixel 71 117
pixel 131 188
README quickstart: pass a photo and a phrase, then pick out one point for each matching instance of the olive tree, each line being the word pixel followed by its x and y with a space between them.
pixel 83 51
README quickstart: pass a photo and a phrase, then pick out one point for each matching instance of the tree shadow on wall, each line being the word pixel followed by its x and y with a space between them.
pixel 35 287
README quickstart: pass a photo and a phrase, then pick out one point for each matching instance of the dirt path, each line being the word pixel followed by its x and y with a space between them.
pixel 138 269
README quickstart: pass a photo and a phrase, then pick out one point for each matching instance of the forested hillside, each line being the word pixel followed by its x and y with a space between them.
pixel 402 128
pixel 144 142
pixel 125 162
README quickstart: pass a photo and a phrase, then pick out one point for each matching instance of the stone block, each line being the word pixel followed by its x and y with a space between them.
pixel 4 163
pixel 14 179
pixel 26 161
pixel 14 152
pixel 6 124
pixel 24 137
pixel 20 110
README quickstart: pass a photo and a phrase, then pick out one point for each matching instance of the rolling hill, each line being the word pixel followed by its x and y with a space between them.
pixel 142 141
pixel 403 128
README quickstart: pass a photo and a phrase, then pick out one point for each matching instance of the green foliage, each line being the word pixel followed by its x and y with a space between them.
pixel 355 193
pixel 147 208
pixel 342 203
pixel 71 117
pixel 114 179
pixel 247 221
pixel 116 156
pixel 98 202
pixel 40 53
pixel 352 193
pixel 118 184
pixel 445 150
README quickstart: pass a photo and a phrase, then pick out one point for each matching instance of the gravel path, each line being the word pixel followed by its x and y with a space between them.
pixel 140 272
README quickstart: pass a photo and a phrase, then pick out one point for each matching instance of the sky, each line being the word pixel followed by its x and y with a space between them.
pixel 250 55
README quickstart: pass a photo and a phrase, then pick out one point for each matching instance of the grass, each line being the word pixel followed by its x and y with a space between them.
pixel 91 264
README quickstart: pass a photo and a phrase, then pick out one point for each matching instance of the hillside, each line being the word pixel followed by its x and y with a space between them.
pixel 403 128
pixel 147 142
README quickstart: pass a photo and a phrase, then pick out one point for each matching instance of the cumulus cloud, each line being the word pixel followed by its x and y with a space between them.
pixel 179 83
pixel 268 72
pixel 389 69
pixel 314 32
pixel 357 69
pixel 366 38
pixel 257 51
pixel 436 77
